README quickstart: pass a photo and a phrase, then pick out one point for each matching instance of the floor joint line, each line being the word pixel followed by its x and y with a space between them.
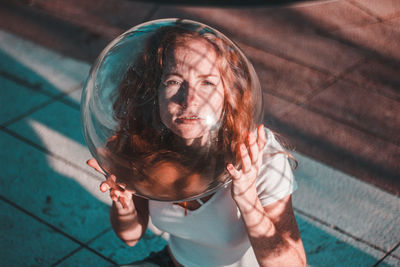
pixel 81 247
pixel 32 215
pixel 389 254
pixel 364 9
pixel 340 230
pixel 46 151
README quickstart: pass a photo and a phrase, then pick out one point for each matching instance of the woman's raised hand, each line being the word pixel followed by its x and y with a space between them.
pixel 128 218
pixel 244 180
pixel 121 197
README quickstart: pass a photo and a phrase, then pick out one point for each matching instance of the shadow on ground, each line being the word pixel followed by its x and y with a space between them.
pixel 47 207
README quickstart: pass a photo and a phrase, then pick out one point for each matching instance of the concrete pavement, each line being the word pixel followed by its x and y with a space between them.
pixel 329 71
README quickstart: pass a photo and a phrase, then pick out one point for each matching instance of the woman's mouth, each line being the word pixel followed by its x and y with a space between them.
pixel 188 119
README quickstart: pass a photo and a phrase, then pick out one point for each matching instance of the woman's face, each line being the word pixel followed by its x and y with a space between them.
pixel 191 93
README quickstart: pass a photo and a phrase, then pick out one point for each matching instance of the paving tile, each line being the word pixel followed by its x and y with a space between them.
pixel 26 242
pixel 110 246
pixel 379 76
pixel 379 39
pixel 385 9
pixel 347 203
pixel 41 69
pixel 331 15
pixel 341 146
pixel 282 77
pixel 103 17
pixel 54 191
pixel 396 252
pixel 84 257
pixel 327 15
pixel 44 29
pixel 390 261
pixel 327 247
pixel 57 127
pixel 16 100
pixel 274 107
pixel 74 98
pixel 75 28
pixel 285 32
pixel 361 108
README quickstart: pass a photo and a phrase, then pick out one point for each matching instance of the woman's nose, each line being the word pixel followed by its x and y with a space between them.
pixel 189 95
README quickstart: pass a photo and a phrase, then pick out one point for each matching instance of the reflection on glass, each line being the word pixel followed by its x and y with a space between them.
pixel 165 107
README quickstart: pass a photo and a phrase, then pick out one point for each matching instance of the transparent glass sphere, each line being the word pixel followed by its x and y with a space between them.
pixel 165 107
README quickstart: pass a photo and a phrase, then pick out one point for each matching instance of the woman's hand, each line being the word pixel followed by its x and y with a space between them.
pixel 129 215
pixel 243 182
pixel 122 198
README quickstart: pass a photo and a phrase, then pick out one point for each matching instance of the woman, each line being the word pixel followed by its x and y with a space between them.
pixel 198 89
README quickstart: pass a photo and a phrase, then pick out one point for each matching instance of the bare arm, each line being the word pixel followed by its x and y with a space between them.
pixel 272 230
pixel 129 215
pixel 130 223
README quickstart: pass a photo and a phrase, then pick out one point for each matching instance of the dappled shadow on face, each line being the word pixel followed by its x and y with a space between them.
pixel 191 92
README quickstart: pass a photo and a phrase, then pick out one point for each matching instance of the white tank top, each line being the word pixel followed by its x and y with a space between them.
pixel 214 234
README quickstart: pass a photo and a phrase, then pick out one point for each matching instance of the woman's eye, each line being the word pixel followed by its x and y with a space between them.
pixel 208 83
pixel 172 83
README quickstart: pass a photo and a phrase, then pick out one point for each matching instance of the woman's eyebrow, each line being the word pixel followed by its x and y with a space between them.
pixel 208 75
pixel 173 74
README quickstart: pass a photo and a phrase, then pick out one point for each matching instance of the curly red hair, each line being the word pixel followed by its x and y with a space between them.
pixel 137 94
pixel 141 135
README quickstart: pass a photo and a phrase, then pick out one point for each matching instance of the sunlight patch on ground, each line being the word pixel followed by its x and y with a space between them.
pixel 51 139
pixel 51 66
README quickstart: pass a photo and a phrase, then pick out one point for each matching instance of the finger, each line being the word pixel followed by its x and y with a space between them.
pixel 253 146
pixel 116 194
pixel 121 185
pixel 262 138
pixel 104 187
pixel 245 158
pixel 233 171
pixel 113 195
pixel 121 199
pixel 111 181
pixel 123 188
pixel 95 165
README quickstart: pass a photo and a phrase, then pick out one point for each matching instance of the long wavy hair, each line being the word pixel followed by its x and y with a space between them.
pixel 142 137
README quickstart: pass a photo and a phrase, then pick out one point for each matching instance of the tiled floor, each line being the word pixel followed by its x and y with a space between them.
pixel 329 70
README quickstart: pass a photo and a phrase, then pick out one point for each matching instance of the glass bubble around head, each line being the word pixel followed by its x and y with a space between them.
pixel 166 106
